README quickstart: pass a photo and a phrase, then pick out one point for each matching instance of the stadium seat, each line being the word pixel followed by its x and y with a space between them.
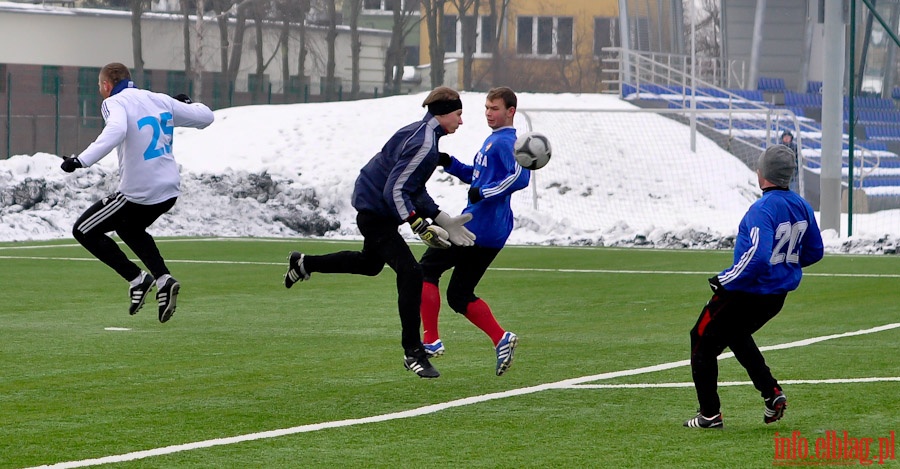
pixel 771 84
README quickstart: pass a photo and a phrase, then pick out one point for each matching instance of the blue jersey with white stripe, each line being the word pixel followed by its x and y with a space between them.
pixel 778 236
pixel 496 175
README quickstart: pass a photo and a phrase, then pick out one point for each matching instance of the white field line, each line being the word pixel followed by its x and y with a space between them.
pixel 499 269
pixel 690 384
pixel 168 261
pixel 429 409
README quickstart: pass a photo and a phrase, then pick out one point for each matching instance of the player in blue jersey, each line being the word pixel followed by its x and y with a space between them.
pixel 494 176
pixel 389 192
pixel 777 237
pixel 139 125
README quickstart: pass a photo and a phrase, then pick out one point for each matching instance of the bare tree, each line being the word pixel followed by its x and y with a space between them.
pixel 434 18
pixel 303 10
pixel 229 66
pixel 709 22
pixel 222 8
pixel 196 69
pixel 258 12
pixel 186 36
pixel 330 91
pixel 137 10
pixel 499 9
pixel 355 46
pixel 395 58
pixel 707 40
pixel 469 27
pixel 237 46
pixel 283 10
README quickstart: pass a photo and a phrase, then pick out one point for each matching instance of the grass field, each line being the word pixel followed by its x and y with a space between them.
pixel 249 374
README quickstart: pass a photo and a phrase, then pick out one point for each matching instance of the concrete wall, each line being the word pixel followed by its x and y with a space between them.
pixel 783 38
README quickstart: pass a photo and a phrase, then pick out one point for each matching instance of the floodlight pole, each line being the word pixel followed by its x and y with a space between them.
pixel 624 43
pixel 756 44
pixel 832 118
pixel 693 79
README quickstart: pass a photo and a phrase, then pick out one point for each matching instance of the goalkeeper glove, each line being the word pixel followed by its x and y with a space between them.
pixel 456 231
pixel 183 98
pixel 71 164
pixel 715 285
pixel 433 236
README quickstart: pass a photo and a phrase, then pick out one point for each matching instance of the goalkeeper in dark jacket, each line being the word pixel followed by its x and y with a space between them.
pixel 389 192
pixel 494 176
pixel 777 237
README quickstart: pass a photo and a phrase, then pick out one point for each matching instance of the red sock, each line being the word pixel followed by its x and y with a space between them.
pixel 431 306
pixel 479 313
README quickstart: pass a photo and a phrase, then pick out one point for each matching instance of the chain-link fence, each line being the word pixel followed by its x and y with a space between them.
pixel 56 109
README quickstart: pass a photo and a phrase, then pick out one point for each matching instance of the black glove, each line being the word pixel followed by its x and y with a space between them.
pixel 444 159
pixel 715 285
pixel 71 164
pixel 183 98
pixel 418 224
pixel 475 195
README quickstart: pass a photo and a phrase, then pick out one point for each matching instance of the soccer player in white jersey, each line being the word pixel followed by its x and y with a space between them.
pixel 139 125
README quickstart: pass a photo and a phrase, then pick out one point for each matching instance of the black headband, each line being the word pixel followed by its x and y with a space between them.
pixel 439 108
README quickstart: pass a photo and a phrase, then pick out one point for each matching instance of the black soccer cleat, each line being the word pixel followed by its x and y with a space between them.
pixel 296 272
pixel 418 362
pixel 138 293
pixel 775 406
pixel 166 296
pixel 699 421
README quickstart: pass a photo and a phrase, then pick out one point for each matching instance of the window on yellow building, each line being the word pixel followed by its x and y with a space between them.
pixel 524 43
pixel 486 33
pixel 545 35
pixel 448 31
pixel 472 32
pixel 605 34
pixel 388 5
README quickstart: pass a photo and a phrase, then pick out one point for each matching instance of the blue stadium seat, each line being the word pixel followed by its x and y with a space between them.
pixel 771 84
pixel 792 99
pixel 675 89
pixel 873 145
pixel 814 87
pixel 797 110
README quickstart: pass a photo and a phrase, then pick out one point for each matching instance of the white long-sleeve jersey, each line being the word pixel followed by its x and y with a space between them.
pixel 140 124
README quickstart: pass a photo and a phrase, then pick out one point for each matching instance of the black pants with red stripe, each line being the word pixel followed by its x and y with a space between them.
pixel 130 221
pixel 729 319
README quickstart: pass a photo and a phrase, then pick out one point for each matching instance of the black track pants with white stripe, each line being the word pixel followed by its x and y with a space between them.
pixel 130 221
pixel 729 319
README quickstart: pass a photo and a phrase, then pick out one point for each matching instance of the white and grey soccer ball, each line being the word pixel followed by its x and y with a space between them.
pixel 532 150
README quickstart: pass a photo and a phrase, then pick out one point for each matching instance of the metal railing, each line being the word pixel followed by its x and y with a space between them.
pixel 646 73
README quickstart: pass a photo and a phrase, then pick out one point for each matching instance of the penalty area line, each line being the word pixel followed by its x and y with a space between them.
pixel 429 409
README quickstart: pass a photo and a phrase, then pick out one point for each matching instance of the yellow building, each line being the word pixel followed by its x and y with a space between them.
pixel 547 45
